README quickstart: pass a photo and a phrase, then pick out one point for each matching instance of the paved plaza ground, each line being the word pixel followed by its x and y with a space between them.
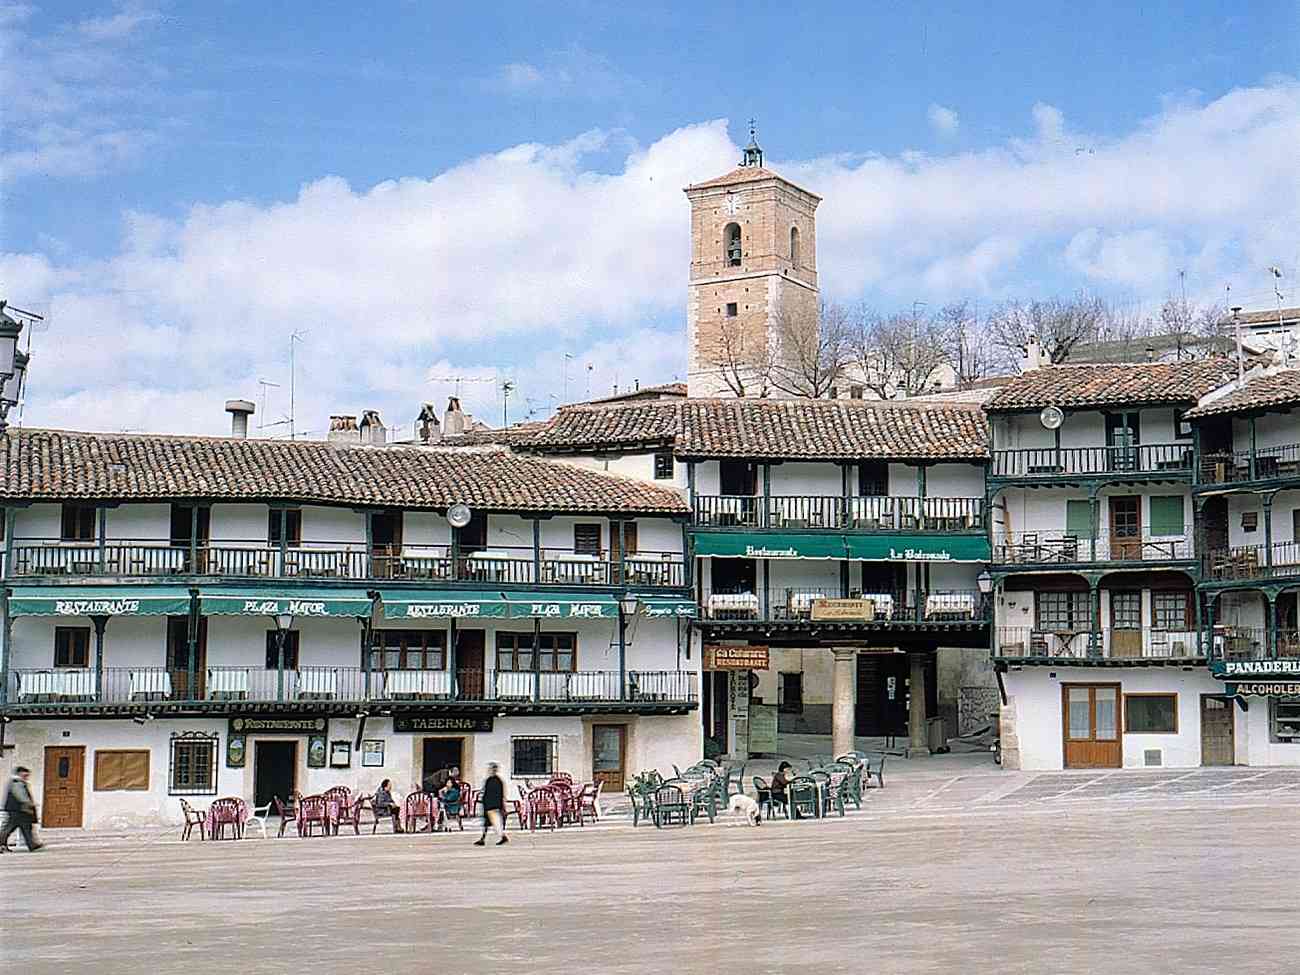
pixel 954 867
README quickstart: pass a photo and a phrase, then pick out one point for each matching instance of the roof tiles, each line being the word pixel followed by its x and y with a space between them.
pixel 1279 389
pixel 1097 385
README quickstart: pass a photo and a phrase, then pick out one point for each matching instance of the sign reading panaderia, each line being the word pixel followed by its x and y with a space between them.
pixel 441 722
pixel 1255 668
pixel 280 724
pixel 1264 688
pixel 724 656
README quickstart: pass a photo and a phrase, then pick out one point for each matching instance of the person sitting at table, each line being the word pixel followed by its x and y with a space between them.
pixel 450 797
pixel 385 805
pixel 437 782
pixel 781 778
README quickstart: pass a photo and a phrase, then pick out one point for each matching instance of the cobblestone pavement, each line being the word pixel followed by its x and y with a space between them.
pixel 965 871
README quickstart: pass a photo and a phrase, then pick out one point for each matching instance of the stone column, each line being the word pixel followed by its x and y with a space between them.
pixel 917 743
pixel 842 709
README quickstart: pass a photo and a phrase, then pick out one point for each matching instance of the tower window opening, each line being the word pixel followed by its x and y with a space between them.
pixel 794 246
pixel 731 250
pixel 731 309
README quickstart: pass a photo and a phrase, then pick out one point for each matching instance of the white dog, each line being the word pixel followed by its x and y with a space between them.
pixel 744 804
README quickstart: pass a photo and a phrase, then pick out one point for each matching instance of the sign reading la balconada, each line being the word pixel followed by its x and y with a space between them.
pixel 295 724
pixel 722 656
pixel 442 722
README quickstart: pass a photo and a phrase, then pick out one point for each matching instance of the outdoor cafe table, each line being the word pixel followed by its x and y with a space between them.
pixel 221 812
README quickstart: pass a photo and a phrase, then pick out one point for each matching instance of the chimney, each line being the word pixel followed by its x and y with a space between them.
pixel 427 424
pixel 343 430
pixel 1151 353
pixel 1033 358
pixel 240 410
pixel 373 431
pixel 453 421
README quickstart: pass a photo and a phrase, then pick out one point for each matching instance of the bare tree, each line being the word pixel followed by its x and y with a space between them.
pixel 742 356
pixel 813 349
pixel 901 355
pixel 1059 324
pixel 965 342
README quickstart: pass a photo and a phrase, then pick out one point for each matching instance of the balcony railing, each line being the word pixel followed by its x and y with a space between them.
pixel 890 606
pixel 213 685
pixel 1107 644
pixel 1064 548
pixel 1253 562
pixel 511 565
pixel 1048 462
pixel 868 513
pixel 1236 466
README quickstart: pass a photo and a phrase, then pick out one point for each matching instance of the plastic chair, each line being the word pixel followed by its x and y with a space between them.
pixel 878 773
pixel 802 792
pixel 258 818
pixel 415 807
pixel 671 805
pixel 194 817
pixel 543 809
pixel 313 811
pixel 287 813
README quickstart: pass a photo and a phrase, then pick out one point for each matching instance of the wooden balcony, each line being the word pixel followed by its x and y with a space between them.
pixel 1084 645
pixel 787 605
pixel 505 565
pixel 1281 560
pixel 864 513
pixel 1048 464
pixel 1244 467
pixel 1049 548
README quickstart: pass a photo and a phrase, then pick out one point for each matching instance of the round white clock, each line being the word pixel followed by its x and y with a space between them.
pixel 731 205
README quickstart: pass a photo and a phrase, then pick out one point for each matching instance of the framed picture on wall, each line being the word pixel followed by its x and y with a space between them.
pixel 340 753
pixel 316 751
pixel 372 753
pixel 236 751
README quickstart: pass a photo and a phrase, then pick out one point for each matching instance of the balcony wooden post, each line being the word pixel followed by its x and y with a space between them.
pixel 1200 621
pixel 102 519
pixel 451 660
pixel 622 654
pixel 280 635
pixel 537 659
pixel 537 551
pixel 192 645
pixel 7 571
pixel 1268 531
pixel 767 589
pixel 690 491
pixel 100 623
pixel 1270 618
pixel 1094 513
pixel 284 540
pixel 6 624
pixel 766 520
pixel 194 538
pixel 1209 624
pixel 365 655
pixel 1253 445
pixel 688 559
pixel 369 563
pixel 1094 601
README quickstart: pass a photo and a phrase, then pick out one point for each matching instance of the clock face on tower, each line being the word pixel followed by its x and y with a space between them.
pixel 731 205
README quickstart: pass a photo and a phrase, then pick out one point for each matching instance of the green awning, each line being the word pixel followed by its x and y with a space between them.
pixel 563 605
pixel 771 545
pixel 918 548
pixel 99 601
pixel 421 604
pixel 659 607
pixel 272 601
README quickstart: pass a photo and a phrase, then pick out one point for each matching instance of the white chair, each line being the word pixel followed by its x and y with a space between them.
pixel 258 818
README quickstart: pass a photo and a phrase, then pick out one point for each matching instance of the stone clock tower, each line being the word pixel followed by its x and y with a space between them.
pixel 753 277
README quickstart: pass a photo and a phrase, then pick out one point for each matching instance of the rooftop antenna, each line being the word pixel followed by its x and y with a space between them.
pixel 294 338
pixel 567 357
pixel 457 380
pixel 1281 337
pixel 1236 324
pixel 590 367
pixel 506 387
pixel 261 420
pixel 35 323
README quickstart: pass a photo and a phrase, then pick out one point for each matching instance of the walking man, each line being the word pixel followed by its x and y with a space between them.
pixel 494 806
pixel 20 812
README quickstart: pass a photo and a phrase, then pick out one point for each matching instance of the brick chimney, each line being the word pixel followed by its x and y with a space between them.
pixel 426 424
pixel 373 431
pixel 343 430
pixel 453 421
pixel 1033 358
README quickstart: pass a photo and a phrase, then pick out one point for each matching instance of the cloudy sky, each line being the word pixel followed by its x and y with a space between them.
pixel 437 191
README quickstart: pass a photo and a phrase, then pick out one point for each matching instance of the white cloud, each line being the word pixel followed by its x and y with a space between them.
pixel 943 120
pixel 571 72
pixel 500 265
pixel 520 77
pixel 116 26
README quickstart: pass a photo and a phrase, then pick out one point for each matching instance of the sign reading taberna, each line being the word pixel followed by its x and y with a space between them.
pixel 323 602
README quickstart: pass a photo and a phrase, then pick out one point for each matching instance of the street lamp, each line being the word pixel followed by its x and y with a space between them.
pixel 283 621
pixel 13 365
pixel 627 605
pixel 985 581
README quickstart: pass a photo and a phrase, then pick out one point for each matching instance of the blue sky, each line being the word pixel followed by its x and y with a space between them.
pixel 436 190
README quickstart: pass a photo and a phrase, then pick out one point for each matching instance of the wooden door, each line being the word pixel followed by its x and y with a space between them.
pixel 608 755
pixel 622 543
pixel 469 664
pixel 65 780
pixel 178 656
pixel 1217 745
pixel 1126 623
pixel 385 543
pixel 1126 528
pixel 1091 726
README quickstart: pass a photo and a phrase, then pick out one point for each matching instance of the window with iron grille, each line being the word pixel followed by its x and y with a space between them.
pixel 533 756
pixel 72 646
pixel 290 650
pixel 586 539
pixel 664 465
pixel 192 768
pixel 1064 612
pixel 556 651
pixel 408 650
pixel 1171 610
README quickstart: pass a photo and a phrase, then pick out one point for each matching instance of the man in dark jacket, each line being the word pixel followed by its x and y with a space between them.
pixel 20 812
pixel 494 806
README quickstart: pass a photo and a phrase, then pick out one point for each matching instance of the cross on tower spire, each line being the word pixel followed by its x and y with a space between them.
pixel 753 153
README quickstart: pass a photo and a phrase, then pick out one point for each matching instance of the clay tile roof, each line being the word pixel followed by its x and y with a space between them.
pixel 746 174
pixel 1265 317
pixel 58 464
pixel 778 429
pixel 1279 389
pixel 1098 385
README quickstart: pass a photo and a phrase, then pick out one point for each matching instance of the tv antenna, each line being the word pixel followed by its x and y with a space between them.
pixel 261 421
pixel 294 338
pixel 506 387
pixel 457 380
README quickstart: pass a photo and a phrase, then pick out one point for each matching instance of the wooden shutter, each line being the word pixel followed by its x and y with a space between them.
pixel 122 770
pixel 1167 515
pixel 586 539
pixel 1078 518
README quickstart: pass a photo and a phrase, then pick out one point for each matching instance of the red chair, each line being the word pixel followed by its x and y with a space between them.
pixel 589 800
pixel 194 817
pixel 227 812
pixel 417 806
pixel 287 812
pixel 564 777
pixel 313 811
pixel 545 808
pixel 517 806
pixel 346 811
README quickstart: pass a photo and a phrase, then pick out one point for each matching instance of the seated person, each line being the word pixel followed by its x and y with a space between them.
pixel 450 797
pixel 385 805
pixel 781 779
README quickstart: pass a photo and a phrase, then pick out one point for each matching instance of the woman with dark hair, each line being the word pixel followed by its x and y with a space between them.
pixel 385 805
pixel 781 778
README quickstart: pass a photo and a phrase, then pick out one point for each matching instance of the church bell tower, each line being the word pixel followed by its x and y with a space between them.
pixel 753 280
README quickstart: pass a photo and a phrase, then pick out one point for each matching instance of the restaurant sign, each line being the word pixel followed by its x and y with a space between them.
pixel 296 724
pixel 721 656
pixel 1285 666
pixel 416 723
pixel 1264 688
pixel 843 609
